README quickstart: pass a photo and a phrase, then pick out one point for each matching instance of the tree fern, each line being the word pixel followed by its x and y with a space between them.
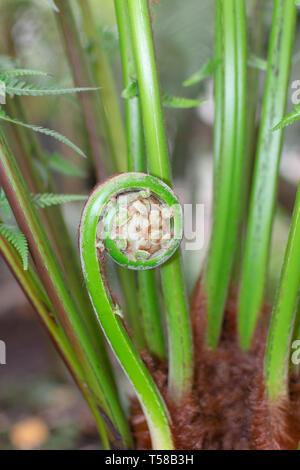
pixel 12 233
pixel 14 236
pixel 44 199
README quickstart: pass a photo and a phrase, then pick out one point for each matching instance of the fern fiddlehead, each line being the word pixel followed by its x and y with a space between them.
pixel 141 225
pixel 137 220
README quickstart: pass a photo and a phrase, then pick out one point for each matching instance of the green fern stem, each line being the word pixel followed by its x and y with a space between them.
pixel 137 161
pixel 283 316
pixel 229 160
pixel 263 191
pixel 178 323
pixel 255 38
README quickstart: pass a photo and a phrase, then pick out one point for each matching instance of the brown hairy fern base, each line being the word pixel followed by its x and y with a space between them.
pixel 227 408
pixel 275 426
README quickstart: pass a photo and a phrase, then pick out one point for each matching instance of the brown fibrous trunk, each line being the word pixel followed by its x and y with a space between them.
pixel 227 409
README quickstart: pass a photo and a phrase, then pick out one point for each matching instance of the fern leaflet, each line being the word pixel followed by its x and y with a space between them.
pixel 43 130
pixel 6 74
pixel 288 119
pixel 179 102
pixel 50 199
pixel 22 88
pixel 4 206
pixel 16 238
pixel 206 71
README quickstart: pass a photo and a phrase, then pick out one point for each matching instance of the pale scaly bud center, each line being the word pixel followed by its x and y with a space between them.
pixel 142 226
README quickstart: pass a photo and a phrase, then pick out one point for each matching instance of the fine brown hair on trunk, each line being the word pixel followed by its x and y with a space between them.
pixel 227 408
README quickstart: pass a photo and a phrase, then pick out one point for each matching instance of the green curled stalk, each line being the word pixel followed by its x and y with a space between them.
pixel 137 219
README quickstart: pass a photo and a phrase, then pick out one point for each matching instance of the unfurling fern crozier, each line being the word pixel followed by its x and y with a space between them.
pixel 140 226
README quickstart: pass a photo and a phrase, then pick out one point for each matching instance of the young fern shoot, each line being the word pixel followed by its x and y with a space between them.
pixel 116 219
pixel 12 85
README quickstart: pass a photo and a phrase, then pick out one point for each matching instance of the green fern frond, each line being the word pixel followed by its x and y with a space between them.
pixel 288 119
pixel 257 62
pixel 179 102
pixel 50 199
pixel 4 205
pixel 206 70
pixel 14 236
pixel 22 88
pixel 6 74
pixel 43 130
pixel 131 91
